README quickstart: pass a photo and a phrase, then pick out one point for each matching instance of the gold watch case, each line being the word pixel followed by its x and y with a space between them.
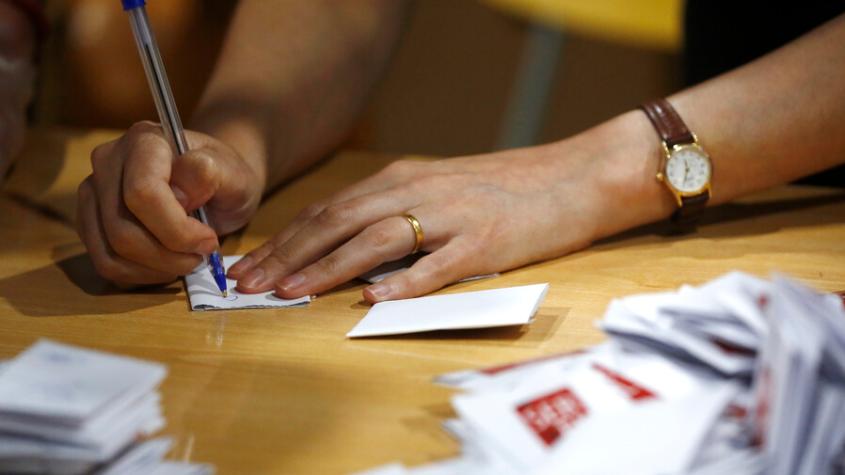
pixel 667 154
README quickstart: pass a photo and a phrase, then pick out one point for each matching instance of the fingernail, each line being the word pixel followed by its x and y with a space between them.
pixel 180 195
pixel 207 247
pixel 379 292
pixel 254 279
pixel 292 281
pixel 242 265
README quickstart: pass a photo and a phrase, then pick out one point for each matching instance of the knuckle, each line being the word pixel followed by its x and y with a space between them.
pixel 139 193
pixel 204 166
pixel 400 168
pixel 469 249
pixel 379 237
pixel 140 127
pixel 446 181
pixel 312 210
pixel 280 257
pixel 180 241
pixel 142 139
pixel 122 240
pixel 336 214
pixel 330 265
pixel 435 271
pixel 99 157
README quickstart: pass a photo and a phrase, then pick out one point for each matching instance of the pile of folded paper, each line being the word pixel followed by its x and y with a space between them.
pixel 66 410
pixel 739 376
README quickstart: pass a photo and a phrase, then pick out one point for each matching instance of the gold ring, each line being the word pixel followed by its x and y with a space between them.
pixel 418 232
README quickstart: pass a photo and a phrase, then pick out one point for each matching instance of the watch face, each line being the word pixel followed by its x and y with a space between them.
pixel 688 169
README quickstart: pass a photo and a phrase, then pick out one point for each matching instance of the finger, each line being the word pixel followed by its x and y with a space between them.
pixel 194 179
pixel 254 257
pixel 326 231
pixel 148 195
pixel 239 269
pixel 444 266
pixel 392 175
pixel 384 241
pixel 123 233
pixel 106 262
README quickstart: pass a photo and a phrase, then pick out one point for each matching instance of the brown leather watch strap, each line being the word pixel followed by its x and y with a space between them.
pixel 685 218
pixel 672 130
pixel 668 123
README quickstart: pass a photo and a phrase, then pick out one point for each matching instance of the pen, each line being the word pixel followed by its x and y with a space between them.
pixel 166 106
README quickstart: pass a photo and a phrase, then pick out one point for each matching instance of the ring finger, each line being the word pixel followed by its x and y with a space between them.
pixel 384 241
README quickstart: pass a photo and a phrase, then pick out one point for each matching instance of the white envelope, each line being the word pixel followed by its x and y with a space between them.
pixel 481 309
pixel 204 294
pixel 647 439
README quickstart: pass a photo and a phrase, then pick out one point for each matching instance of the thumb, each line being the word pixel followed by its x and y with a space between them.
pixel 195 179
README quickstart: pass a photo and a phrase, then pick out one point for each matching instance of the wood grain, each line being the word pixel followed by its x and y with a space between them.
pixel 283 391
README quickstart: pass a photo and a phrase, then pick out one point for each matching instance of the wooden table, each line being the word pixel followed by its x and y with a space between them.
pixel 283 391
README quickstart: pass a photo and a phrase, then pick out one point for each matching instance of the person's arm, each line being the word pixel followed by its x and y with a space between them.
pixel 293 77
pixel 772 121
pixel 17 75
pixel 290 80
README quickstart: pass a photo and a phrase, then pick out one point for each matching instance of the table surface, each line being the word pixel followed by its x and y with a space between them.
pixel 283 391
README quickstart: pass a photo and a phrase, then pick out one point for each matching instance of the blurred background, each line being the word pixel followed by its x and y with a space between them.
pixel 469 76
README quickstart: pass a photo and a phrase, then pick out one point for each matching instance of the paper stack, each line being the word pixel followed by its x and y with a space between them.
pixel 739 376
pixel 67 410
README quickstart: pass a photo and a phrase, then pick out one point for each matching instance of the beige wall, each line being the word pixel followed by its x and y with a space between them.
pixel 444 94
pixel 448 87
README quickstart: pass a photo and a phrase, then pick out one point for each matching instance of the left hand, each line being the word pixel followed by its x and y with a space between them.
pixel 479 214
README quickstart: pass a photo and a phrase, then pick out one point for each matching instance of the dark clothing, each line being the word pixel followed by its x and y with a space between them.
pixel 721 35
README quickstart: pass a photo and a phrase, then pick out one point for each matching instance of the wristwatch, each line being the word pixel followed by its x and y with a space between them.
pixel 685 167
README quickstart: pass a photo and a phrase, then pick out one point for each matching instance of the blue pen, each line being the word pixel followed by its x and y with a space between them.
pixel 166 106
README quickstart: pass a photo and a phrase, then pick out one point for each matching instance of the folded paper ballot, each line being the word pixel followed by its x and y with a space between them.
pixel 480 309
pixel 204 294
pixel 67 410
pixel 741 375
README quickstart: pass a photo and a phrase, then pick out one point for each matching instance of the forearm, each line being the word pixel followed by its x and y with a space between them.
pixel 770 122
pixel 293 76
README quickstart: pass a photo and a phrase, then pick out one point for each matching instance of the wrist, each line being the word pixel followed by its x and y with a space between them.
pixel 625 155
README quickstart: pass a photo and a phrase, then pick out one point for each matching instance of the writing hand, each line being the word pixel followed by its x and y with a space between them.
pixel 132 212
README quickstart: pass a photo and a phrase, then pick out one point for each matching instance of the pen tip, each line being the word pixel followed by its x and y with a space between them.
pixel 225 293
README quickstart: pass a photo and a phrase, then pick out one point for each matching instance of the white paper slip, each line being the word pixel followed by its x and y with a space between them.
pixel 481 309
pixel 204 294
pixel 387 269
pixel 69 384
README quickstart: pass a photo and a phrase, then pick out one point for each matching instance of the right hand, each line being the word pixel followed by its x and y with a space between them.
pixel 17 74
pixel 133 210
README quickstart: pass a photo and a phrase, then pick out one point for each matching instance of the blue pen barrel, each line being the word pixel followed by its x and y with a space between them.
pixel 171 124
pixel 168 115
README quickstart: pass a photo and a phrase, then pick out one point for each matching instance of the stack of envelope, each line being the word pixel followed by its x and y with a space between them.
pixel 740 376
pixel 67 410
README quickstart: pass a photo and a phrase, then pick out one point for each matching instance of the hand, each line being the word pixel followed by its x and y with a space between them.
pixel 17 74
pixel 132 212
pixel 479 214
